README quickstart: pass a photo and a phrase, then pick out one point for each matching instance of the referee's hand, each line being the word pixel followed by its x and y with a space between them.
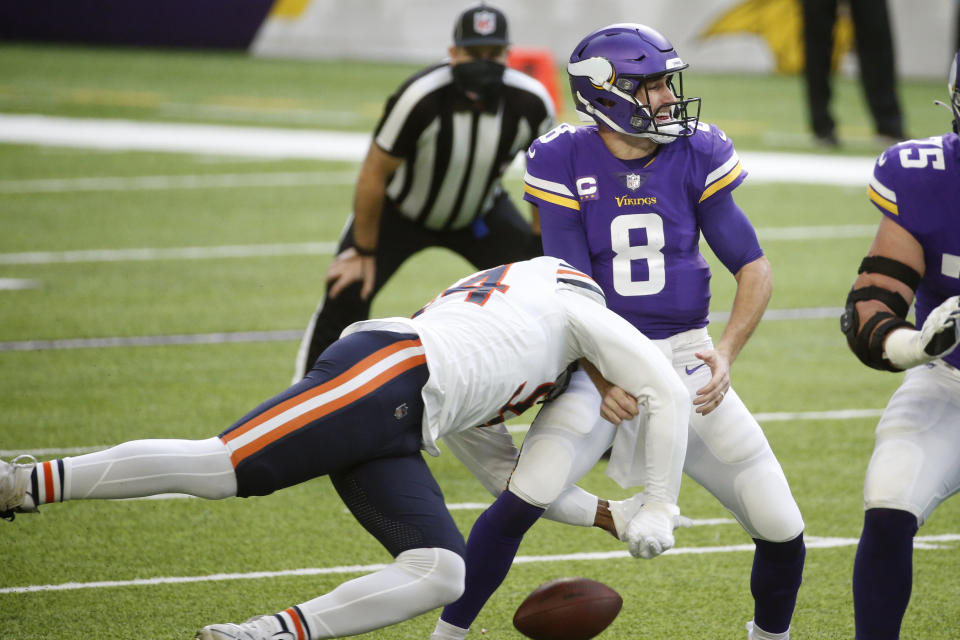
pixel 349 267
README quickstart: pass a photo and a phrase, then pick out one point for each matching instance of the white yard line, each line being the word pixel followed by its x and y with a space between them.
pixel 817 232
pixel 195 181
pixel 129 135
pixel 171 253
pixel 812 542
pixel 17 284
pixel 518 428
pixel 285 335
pixel 263 142
pixel 268 114
pixel 779 416
pixel 282 335
pixel 327 248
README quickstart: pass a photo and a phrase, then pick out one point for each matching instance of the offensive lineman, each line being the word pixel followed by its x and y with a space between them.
pixel 491 345
pixel 915 466
pixel 626 201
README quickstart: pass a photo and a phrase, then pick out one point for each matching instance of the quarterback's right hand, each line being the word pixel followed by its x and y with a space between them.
pixel 349 267
pixel 650 532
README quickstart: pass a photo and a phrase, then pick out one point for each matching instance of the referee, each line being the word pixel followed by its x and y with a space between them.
pixel 431 177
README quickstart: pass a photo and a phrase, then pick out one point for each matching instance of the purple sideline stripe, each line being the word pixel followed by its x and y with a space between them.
pixel 215 24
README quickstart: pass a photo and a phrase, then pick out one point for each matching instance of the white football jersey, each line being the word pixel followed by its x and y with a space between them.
pixel 496 342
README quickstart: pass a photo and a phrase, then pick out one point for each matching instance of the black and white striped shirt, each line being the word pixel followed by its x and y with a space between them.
pixel 455 155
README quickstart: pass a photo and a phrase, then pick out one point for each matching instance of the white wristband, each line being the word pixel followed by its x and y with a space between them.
pixel 903 349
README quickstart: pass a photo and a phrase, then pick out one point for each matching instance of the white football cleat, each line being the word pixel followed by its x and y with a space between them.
pixel 14 480
pixel 256 628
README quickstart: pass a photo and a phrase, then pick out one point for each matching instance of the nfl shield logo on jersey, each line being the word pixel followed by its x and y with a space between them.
pixel 484 22
pixel 401 412
pixel 633 181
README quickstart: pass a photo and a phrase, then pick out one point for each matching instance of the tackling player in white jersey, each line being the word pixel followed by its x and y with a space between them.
pixel 916 459
pixel 486 348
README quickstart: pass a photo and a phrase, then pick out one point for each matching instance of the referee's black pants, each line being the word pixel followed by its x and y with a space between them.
pixel 874 42
pixel 508 238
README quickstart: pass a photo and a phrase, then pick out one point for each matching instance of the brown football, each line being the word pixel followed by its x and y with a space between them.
pixel 567 609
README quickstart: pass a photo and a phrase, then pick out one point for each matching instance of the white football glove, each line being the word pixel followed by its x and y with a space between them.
pixel 622 512
pixel 939 335
pixel 650 531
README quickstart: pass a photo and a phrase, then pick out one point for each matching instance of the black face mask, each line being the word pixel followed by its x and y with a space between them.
pixel 480 80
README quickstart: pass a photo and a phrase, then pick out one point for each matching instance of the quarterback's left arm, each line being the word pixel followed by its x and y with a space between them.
pixel 754 288
pixel 733 239
pixel 874 321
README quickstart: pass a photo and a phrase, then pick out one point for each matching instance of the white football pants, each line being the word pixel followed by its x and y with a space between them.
pixel 727 451
pixel 915 464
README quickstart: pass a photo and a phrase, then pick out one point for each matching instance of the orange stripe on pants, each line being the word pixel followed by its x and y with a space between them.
pixel 337 403
pixel 361 366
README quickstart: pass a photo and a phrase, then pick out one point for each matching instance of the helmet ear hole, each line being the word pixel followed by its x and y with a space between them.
pixel 606 102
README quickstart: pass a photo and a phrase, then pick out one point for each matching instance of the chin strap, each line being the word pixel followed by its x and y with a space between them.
pixel 594 115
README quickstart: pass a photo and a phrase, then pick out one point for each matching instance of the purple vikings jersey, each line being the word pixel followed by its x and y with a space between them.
pixel 917 185
pixel 634 225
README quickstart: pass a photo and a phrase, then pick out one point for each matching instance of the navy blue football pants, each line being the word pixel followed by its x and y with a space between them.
pixel 357 418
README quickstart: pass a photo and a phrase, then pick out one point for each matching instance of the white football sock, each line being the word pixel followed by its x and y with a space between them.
pixel 756 633
pixel 416 582
pixel 141 468
pixel 447 631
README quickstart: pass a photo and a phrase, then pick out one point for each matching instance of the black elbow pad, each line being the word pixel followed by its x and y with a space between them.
pixel 867 343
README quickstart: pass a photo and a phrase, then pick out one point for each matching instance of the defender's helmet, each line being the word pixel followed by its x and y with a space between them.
pixel 610 66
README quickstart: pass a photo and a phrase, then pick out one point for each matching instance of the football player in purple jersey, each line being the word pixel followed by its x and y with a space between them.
pixel 627 200
pixel 915 466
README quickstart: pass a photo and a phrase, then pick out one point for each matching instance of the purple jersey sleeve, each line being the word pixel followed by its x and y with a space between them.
pixel 562 230
pixel 915 185
pixel 564 237
pixel 728 231
pixel 718 162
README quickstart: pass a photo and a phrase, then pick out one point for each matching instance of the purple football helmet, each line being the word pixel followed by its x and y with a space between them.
pixel 608 69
